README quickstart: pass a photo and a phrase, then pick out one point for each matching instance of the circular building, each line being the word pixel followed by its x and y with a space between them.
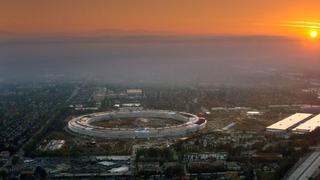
pixel 137 124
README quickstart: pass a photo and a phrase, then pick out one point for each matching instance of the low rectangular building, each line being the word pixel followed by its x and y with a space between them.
pixel 195 157
pixel 308 126
pixel 288 122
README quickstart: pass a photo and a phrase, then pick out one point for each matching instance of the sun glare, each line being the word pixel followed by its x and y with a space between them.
pixel 313 34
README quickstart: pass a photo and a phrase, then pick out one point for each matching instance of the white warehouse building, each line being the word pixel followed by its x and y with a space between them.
pixel 289 122
pixel 308 126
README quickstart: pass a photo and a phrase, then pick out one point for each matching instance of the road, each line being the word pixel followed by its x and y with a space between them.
pixel 307 168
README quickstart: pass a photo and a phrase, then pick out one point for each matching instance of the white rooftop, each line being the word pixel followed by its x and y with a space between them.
pixel 309 125
pixel 106 163
pixel 122 169
pixel 289 121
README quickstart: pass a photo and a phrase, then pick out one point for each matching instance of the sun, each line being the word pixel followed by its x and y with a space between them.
pixel 313 34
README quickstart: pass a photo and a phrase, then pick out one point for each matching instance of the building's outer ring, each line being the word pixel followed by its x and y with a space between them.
pixel 190 124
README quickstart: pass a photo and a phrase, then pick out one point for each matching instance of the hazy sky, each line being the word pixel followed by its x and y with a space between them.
pixel 73 36
pixel 240 17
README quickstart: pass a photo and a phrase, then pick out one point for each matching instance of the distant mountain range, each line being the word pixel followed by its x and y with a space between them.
pixel 97 33
pixel 122 32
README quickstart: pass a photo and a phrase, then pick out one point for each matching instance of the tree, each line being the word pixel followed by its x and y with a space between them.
pixel 15 160
pixel 3 174
pixel 40 173
pixel 174 171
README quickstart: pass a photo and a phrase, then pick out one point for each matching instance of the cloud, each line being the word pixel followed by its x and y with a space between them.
pixel 306 23
pixel 295 24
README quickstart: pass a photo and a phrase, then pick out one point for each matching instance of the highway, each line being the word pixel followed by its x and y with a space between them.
pixel 306 169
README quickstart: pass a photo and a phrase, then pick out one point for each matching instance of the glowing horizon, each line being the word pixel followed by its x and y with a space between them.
pixel 285 18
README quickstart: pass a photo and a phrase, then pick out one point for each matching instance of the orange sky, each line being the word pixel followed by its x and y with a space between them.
pixel 235 17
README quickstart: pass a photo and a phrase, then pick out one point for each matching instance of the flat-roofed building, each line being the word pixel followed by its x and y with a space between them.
pixel 308 126
pixel 288 122
pixel 134 91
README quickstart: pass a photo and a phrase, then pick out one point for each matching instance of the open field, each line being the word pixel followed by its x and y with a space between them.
pixel 137 122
